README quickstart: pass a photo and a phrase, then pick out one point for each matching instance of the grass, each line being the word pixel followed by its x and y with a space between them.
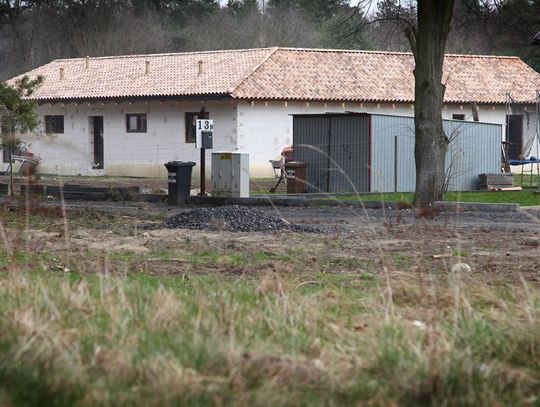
pixel 264 341
pixel 288 320
pixel 524 198
pixel 527 197
pixel 528 181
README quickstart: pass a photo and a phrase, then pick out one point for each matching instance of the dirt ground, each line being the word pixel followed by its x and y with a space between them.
pixel 146 184
pixel 378 296
pixel 495 245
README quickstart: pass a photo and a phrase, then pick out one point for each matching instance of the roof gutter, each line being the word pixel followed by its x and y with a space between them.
pixel 381 101
pixel 210 97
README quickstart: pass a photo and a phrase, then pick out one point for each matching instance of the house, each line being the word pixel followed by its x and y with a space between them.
pixel 127 115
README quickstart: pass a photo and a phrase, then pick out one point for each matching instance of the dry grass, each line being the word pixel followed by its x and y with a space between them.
pixel 313 325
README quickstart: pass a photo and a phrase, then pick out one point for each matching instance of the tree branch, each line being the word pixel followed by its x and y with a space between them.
pixel 411 33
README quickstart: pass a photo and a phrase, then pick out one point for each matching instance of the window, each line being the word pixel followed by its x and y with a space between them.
pixel 191 119
pixel 5 153
pixel 514 134
pixel 136 123
pixel 191 122
pixel 54 124
pixel 458 116
pixel 4 143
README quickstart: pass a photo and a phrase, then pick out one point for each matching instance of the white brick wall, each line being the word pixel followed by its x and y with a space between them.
pixel 261 128
pixel 135 154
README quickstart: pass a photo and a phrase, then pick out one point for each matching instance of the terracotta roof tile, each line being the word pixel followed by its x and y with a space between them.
pixel 385 76
pixel 285 74
pixel 169 75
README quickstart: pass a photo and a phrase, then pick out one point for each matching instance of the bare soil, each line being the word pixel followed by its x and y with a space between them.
pixel 495 245
pixel 146 184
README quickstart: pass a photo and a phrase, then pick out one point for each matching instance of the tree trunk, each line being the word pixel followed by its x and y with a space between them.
pixel 428 43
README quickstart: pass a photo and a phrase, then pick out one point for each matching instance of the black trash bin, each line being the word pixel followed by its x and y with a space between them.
pixel 179 181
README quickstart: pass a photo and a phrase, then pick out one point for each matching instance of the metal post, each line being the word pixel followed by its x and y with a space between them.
pixel 11 170
pixel 329 158
pixel 395 164
pixel 203 172
pixel 203 114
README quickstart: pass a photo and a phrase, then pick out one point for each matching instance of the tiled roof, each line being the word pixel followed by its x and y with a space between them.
pixel 283 74
pixel 385 77
pixel 168 75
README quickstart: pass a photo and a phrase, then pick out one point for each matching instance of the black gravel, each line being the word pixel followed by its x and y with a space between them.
pixel 236 219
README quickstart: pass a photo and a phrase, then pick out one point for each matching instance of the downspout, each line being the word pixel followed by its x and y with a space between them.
pixel 370 154
pixel 328 150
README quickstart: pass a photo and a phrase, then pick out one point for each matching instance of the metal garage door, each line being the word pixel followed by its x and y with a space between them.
pixel 336 148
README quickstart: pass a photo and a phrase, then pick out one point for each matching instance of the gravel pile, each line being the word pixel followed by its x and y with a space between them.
pixel 234 218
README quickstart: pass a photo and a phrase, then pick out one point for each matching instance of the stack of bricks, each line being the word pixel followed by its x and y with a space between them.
pixel 495 181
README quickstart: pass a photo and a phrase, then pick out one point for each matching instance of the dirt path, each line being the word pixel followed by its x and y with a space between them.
pixel 146 184
pixel 495 245
pixel 349 218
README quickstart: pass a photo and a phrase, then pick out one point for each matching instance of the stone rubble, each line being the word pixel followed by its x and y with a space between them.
pixel 234 218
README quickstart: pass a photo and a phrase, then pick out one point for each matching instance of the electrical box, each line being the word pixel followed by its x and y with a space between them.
pixel 230 174
pixel 207 140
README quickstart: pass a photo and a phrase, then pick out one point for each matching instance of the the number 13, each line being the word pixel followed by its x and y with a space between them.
pixel 206 125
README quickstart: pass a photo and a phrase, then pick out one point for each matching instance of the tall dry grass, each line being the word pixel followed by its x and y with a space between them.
pixel 105 340
pixel 281 338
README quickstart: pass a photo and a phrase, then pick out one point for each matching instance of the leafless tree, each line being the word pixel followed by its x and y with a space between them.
pixel 118 33
pixel 255 29
pixel 428 43
pixel 44 33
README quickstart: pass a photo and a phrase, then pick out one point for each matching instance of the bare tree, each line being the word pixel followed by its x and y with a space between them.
pixel 428 44
pixel 426 26
pixel 51 30
pixel 388 23
pixel 279 27
pixel 118 32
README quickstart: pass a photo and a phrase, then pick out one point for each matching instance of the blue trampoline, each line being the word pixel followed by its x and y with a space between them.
pixel 532 160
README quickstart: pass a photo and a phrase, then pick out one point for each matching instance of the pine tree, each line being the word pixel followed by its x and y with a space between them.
pixel 242 7
pixel 17 114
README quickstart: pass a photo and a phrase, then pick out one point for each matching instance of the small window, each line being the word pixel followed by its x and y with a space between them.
pixel 191 121
pixel 54 124
pixel 5 155
pixel 458 116
pixel 4 146
pixel 136 123
pixel 5 149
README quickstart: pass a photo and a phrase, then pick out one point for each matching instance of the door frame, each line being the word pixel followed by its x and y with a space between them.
pixel 92 126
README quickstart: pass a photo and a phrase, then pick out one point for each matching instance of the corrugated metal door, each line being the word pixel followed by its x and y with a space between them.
pixel 349 153
pixel 393 168
pixel 311 137
pixel 474 149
